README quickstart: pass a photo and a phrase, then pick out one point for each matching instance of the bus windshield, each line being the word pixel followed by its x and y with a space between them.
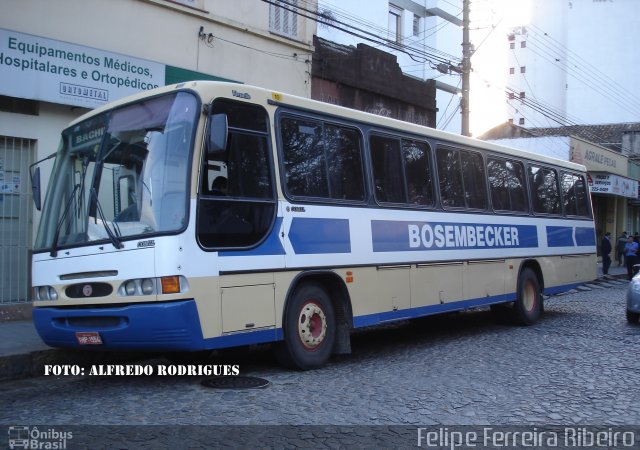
pixel 121 174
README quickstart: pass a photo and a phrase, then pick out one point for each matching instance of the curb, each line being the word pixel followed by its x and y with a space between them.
pixel 16 312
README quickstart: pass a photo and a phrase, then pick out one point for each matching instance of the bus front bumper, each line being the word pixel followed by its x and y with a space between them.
pixel 147 326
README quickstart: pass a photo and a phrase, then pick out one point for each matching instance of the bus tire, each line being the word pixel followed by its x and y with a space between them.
pixel 309 328
pixel 528 305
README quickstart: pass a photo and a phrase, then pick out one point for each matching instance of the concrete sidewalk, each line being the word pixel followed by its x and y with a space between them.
pixel 23 354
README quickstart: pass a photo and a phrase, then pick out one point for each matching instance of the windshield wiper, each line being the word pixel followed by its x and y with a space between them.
pixel 54 244
pixel 114 239
pixel 85 165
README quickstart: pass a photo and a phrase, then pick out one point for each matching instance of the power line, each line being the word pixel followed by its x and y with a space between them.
pixel 524 76
pixel 584 63
pixel 583 75
pixel 413 53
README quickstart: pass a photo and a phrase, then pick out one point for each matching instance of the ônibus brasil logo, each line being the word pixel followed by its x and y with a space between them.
pixel 34 438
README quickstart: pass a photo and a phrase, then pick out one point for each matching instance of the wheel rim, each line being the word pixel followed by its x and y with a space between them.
pixel 529 296
pixel 312 325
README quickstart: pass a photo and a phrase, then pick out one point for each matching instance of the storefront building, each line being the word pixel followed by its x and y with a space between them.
pixel 613 192
pixel 58 60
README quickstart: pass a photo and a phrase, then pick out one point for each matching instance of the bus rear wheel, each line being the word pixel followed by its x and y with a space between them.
pixel 309 328
pixel 528 305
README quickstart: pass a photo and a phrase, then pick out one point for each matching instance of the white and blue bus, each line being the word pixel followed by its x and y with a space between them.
pixel 208 215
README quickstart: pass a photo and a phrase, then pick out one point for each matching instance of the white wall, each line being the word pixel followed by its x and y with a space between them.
pixel 605 87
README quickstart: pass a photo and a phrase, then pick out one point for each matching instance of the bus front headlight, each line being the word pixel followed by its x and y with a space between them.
pixel 45 293
pixel 148 286
pixel 130 287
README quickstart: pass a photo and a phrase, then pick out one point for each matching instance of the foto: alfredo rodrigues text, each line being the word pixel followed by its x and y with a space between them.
pixel 143 370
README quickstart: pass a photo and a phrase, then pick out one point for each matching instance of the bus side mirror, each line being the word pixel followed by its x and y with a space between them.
pixel 218 130
pixel 35 188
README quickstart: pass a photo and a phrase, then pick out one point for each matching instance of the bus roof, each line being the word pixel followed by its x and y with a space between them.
pixel 208 90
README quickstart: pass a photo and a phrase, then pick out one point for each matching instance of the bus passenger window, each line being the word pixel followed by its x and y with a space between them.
pixel 322 160
pixel 475 188
pixel 507 185
pixel 418 173
pixel 545 194
pixel 450 175
pixel 304 158
pixel 346 179
pixel 387 170
pixel 574 195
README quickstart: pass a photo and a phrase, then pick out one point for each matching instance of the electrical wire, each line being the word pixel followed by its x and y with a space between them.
pixel 371 36
pixel 594 82
pixel 582 62
pixel 524 76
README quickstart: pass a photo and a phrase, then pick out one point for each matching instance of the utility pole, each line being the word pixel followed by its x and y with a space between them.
pixel 466 68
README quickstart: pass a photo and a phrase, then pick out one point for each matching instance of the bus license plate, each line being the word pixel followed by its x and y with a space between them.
pixel 89 338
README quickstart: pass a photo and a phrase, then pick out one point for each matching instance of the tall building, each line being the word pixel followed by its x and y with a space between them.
pixel 555 63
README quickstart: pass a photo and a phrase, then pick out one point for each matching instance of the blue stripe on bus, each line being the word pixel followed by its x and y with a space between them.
pixel 564 236
pixel 421 311
pixel 318 236
pixel 271 246
pixel 399 236
pixel 560 237
pixel 585 236
pixel 412 313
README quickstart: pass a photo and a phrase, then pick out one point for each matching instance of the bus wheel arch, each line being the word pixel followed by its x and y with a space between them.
pixel 316 322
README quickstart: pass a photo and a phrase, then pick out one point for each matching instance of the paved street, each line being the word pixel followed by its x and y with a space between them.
pixel 578 366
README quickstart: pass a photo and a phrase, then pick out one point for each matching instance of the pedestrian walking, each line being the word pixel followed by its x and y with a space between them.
pixel 630 251
pixel 620 248
pixel 605 249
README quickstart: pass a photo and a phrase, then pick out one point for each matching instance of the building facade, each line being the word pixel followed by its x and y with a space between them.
pixel 370 80
pixel 425 36
pixel 557 63
pixel 60 59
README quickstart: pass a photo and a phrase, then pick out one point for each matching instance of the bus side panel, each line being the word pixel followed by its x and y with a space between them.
pixel 433 284
pixel 485 279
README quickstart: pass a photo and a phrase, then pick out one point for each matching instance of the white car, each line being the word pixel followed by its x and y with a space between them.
pixel 633 300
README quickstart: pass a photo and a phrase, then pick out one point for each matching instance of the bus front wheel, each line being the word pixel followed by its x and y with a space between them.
pixel 309 328
pixel 528 305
